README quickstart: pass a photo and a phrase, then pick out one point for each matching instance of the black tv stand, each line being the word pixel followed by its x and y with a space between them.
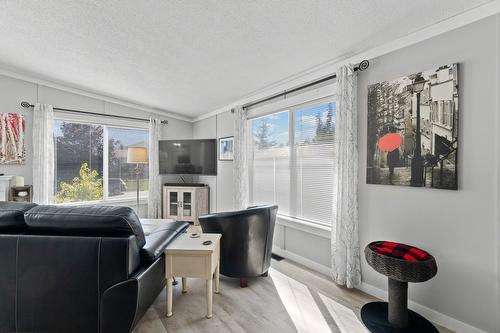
pixel 185 184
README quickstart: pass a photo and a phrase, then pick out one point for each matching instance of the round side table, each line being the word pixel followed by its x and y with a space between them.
pixel 401 263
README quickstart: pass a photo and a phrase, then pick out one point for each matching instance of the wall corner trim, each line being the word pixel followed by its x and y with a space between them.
pixel 303 261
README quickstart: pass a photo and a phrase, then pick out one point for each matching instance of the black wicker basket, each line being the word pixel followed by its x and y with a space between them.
pixel 401 269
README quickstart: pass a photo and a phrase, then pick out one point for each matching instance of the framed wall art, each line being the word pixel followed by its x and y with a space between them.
pixel 12 147
pixel 413 130
pixel 226 149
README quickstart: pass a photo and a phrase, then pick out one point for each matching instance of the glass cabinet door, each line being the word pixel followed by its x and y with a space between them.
pixel 173 203
pixel 187 202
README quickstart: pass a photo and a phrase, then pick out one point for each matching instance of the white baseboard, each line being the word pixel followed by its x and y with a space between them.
pixel 303 261
pixel 433 315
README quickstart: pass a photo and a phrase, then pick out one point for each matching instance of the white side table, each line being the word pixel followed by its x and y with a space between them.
pixel 188 258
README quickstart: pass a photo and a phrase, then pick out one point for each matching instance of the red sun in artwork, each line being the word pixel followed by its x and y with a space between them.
pixel 390 142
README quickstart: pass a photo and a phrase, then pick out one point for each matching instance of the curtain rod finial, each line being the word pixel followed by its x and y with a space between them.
pixel 364 65
pixel 25 104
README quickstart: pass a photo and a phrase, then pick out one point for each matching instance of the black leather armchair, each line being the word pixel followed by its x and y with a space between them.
pixel 78 268
pixel 247 239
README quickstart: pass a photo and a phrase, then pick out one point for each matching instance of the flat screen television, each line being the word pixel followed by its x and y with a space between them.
pixel 188 157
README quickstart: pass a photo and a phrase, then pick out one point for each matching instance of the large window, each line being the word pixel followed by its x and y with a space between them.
pixel 271 161
pixel 91 162
pixel 294 161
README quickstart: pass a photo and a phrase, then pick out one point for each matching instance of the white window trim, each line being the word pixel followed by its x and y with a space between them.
pixel 132 201
pixel 303 225
pixel 318 96
pixel 115 123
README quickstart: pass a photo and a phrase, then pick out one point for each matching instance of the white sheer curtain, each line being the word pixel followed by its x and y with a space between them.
pixel 43 154
pixel 345 238
pixel 240 163
pixel 154 198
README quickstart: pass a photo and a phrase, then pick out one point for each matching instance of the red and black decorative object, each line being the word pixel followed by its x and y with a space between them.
pixel 401 263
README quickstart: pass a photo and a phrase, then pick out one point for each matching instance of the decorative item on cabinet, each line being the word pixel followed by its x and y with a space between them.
pixel 21 193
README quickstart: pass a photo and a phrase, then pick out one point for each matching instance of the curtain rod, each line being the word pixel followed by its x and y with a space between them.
pixel 363 65
pixel 28 105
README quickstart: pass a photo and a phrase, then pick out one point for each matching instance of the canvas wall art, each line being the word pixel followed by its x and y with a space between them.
pixel 12 129
pixel 413 130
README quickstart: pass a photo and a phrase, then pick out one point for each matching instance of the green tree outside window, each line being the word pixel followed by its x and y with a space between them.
pixel 86 187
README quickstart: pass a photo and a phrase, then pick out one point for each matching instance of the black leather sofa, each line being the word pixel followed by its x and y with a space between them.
pixel 78 268
pixel 247 240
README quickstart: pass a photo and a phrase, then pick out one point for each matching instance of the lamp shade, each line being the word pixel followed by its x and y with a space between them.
pixel 137 155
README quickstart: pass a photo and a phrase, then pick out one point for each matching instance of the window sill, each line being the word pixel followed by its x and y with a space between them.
pixel 309 227
pixel 113 202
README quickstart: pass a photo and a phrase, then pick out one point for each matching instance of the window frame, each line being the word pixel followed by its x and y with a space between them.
pixel 290 109
pixel 115 123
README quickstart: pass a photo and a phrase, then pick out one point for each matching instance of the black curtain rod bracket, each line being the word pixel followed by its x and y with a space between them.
pixel 27 105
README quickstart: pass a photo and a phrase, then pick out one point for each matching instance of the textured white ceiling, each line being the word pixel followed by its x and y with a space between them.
pixel 191 57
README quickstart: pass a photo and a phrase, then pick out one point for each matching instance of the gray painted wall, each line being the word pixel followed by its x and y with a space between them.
pixel 221 186
pixel 12 92
pixel 459 227
pixel 498 173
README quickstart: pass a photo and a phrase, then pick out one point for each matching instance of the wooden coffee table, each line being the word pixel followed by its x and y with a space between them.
pixel 187 257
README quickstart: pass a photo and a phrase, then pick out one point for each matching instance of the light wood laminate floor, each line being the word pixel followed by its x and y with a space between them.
pixel 291 299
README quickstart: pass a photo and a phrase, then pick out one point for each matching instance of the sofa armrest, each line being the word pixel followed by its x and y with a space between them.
pixel 124 304
pixel 119 307
pixel 158 240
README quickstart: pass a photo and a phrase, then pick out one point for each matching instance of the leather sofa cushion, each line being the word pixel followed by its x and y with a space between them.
pixel 87 220
pixel 12 215
pixel 158 240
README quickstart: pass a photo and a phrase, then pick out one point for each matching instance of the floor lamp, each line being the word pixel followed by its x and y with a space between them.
pixel 137 156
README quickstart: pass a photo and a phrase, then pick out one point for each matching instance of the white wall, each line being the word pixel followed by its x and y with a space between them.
pixel 460 228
